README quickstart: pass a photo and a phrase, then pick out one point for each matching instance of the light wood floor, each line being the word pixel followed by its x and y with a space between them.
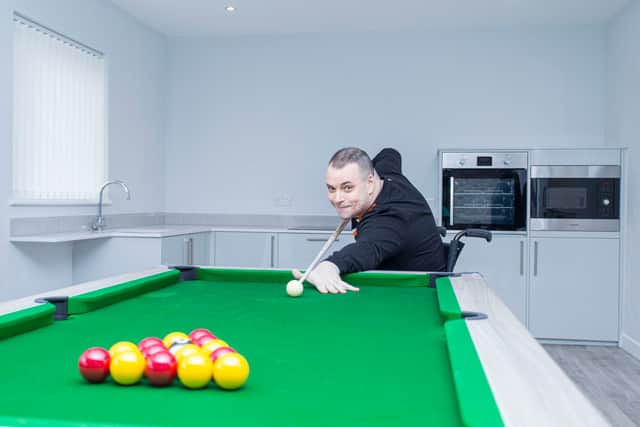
pixel 608 376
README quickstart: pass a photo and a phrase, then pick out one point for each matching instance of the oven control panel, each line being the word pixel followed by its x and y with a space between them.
pixel 496 160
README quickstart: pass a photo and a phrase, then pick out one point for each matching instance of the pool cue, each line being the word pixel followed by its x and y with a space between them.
pixel 324 249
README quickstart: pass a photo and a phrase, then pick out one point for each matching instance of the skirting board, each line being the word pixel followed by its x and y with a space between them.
pixel 544 341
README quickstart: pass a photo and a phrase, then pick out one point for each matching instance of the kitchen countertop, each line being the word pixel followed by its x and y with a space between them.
pixel 159 231
pixel 168 230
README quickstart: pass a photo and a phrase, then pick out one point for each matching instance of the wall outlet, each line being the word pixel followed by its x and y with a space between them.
pixel 283 200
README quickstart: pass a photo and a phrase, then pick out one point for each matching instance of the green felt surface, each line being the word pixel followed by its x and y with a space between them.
pixel 374 358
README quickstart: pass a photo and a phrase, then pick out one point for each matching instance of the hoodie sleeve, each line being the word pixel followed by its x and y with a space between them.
pixel 380 239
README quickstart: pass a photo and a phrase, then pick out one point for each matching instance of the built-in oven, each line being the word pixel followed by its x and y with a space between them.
pixel 484 190
pixel 580 198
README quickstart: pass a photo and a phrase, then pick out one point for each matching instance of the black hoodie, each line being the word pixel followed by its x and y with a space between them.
pixel 398 233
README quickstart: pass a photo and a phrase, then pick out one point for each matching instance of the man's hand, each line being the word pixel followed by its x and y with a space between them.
pixel 326 278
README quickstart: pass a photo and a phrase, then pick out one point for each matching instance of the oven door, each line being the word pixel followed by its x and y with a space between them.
pixel 492 199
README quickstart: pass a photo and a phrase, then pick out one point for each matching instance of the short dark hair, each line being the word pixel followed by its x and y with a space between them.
pixel 347 155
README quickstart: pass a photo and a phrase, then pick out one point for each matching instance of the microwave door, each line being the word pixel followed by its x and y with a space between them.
pixel 576 204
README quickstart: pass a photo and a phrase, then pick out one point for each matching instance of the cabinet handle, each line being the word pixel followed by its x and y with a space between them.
pixel 319 239
pixel 273 242
pixel 521 258
pixel 185 250
pixel 535 258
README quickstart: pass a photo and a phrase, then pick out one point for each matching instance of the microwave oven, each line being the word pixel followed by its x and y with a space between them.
pixel 576 198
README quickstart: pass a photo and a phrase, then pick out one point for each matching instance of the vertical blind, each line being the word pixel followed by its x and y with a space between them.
pixel 59 122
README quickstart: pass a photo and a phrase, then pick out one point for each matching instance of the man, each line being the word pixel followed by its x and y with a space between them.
pixel 391 221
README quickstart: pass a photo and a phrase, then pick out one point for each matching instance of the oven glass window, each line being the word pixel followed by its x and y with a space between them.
pixel 492 199
pixel 565 198
pixel 484 200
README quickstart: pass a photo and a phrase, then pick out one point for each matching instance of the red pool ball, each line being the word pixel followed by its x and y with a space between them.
pixel 220 351
pixel 148 342
pixel 196 334
pixel 94 364
pixel 153 349
pixel 161 369
pixel 203 339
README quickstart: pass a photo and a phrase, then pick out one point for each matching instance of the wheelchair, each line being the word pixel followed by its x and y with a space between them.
pixel 454 247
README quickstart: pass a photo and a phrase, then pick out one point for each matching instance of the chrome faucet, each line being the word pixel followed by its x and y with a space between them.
pixel 98 224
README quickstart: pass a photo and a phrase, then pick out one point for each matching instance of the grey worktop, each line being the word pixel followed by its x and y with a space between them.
pixel 158 231
pixel 161 224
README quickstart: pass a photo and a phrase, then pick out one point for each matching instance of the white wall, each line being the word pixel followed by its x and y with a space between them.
pixel 254 119
pixel 250 121
pixel 623 129
pixel 136 58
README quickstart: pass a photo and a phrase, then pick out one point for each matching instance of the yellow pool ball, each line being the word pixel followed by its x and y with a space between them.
pixel 230 371
pixel 122 346
pixel 127 367
pixel 172 337
pixel 212 345
pixel 194 371
pixel 186 350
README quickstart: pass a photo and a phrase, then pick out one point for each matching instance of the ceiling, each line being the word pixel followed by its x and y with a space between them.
pixel 201 18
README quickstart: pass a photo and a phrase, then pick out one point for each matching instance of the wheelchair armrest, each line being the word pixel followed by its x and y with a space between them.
pixel 476 232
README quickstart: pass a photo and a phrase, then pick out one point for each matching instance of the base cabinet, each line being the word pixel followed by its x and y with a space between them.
pixel 562 288
pixel 187 249
pixel 271 250
pixel 574 288
pixel 503 263
pixel 297 250
pixel 245 249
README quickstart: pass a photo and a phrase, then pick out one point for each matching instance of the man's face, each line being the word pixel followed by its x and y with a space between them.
pixel 349 192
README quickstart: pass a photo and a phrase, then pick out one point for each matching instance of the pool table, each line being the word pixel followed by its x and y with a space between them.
pixel 406 350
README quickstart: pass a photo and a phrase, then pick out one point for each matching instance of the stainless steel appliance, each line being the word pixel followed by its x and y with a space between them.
pixel 578 198
pixel 484 190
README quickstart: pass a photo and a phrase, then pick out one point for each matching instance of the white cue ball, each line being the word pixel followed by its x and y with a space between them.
pixel 294 288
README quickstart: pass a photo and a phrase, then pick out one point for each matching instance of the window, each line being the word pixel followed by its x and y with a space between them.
pixel 59 121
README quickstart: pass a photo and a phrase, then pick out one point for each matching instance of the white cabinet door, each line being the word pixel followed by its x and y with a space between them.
pixel 296 250
pixel 244 249
pixel 502 262
pixel 574 288
pixel 186 249
pixel 201 245
pixel 173 250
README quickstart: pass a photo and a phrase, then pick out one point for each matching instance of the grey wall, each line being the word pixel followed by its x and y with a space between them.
pixel 252 121
pixel 623 129
pixel 136 59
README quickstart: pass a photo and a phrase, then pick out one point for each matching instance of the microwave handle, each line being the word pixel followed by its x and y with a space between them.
pixel 451 200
